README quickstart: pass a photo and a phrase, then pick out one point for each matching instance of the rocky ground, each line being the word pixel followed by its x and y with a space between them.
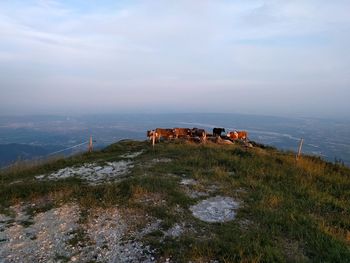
pixel 92 173
pixel 106 235
pixel 67 233
pixel 58 235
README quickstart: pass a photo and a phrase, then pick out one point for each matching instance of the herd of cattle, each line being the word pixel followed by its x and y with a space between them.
pixel 195 134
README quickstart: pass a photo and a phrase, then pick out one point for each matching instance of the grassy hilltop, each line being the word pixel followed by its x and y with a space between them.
pixel 288 211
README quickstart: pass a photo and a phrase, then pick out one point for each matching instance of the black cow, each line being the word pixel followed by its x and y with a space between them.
pixel 217 131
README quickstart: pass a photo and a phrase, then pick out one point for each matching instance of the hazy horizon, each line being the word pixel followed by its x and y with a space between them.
pixel 329 139
pixel 275 58
pixel 150 113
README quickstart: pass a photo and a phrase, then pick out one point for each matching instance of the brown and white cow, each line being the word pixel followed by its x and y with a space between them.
pixel 166 134
pixel 243 135
pixel 238 135
pixel 182 132
pixel 150 134
pixel 233 135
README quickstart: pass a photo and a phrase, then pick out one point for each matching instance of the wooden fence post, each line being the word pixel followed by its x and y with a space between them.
pixel 299 149
pixel 90 145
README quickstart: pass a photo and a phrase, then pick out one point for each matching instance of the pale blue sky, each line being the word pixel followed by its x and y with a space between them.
pixel 89 56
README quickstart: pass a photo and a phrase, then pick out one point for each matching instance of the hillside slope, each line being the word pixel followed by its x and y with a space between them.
pixel 178 202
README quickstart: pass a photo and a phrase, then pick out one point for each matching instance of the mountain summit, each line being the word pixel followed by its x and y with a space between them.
pixel 176 202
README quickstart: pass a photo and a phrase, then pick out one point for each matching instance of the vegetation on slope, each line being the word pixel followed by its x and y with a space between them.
pixel 290 211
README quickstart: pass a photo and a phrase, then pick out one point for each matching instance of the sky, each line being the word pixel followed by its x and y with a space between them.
pixel 284 58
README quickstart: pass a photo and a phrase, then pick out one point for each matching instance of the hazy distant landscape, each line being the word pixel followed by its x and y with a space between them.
pixel 37 136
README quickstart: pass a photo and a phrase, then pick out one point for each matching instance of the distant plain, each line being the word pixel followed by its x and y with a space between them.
pixel 27 137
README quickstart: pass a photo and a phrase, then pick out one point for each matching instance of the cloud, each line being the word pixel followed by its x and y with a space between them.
pixel 121 52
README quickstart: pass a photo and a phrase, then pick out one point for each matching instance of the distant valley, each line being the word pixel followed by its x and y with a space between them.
pixel 37 136
pixel 13 151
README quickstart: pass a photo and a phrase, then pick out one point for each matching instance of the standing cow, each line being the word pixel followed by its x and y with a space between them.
pixel 166 134
pixel 150 134
pixel 217 131
pixel 182 132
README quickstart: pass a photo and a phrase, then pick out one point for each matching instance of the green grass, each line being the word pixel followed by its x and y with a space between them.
pixel 291 211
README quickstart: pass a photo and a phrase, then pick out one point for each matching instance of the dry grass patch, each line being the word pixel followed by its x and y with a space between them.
pixel 143 196
pixel 272 201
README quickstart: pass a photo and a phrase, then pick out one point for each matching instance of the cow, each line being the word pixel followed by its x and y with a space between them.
pixel 201 133
pixel 152 136
pixel 182 132
pixel 149 134
pixel 238 135
pixel 152 133
pixel 166 134
pixel 242 135
pixel 217 131
pixel 233 135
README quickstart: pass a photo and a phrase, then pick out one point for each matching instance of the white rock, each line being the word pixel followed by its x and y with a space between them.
pixel 92 173
pixel 215 209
